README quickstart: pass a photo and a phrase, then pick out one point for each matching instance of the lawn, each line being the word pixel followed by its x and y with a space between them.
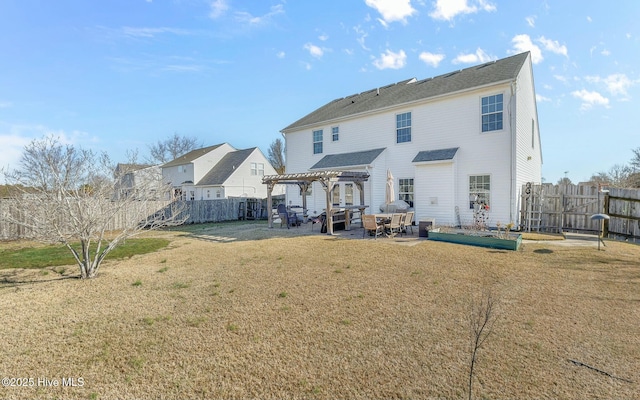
pixel 218 315
pixel 31 255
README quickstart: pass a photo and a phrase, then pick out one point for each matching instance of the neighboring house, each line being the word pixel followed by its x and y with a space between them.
pixel 467 135
pixel 218 172
pixel 137 180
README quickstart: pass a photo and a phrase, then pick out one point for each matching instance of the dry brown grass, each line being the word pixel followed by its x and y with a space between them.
pixel 325 317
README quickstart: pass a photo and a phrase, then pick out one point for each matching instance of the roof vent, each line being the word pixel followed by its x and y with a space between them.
pixel 378 92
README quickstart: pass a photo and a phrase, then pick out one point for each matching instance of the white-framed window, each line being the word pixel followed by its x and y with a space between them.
pixel 257 169
pixel 405 190
pixel 317 142
pixel 492 107
pixel 403 127
pixel 335 195
pixel 348 194
pixel 479 190
pixel 335 133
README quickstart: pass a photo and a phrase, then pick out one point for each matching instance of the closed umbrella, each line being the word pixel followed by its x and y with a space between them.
pixel 389 196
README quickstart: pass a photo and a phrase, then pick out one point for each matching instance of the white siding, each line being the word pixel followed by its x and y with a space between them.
pixel 435 192
pixel 445 122
pixel 528 148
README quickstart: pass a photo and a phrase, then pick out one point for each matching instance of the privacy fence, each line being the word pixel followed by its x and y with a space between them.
pixel 569 208
pixel 194 212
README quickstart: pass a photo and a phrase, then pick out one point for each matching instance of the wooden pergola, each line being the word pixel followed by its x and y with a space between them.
pixel 303 180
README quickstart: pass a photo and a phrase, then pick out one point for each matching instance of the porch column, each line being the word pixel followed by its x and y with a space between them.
pixel 328 185
pixel 304 187
pixel 270 186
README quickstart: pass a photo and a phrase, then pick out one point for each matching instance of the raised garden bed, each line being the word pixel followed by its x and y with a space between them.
pixel 482 239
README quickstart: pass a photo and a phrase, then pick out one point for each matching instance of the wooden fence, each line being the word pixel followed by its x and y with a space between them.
pixel 195 212
pixel 568 208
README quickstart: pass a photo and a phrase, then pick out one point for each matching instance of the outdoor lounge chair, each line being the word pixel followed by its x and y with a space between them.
pixel 371 225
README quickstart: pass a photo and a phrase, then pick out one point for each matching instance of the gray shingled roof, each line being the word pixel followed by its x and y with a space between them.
pixel 190 156
pixel 411 90
pixel 436 155
pixel 348 159
pixel 225 167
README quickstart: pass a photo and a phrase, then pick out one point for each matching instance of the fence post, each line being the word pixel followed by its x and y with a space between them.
pixel 605 229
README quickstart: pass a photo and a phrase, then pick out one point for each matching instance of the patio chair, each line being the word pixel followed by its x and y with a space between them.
pixel 408 222
pixel 371 225
pixel 393 227
pixel 283 214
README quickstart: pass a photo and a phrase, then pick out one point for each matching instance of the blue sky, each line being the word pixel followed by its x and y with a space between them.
pixel 118 75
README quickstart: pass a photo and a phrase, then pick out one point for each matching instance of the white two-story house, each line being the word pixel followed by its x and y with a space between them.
pixel 218 172
pixel 465 136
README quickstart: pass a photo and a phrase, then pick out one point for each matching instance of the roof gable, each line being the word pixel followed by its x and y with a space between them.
pixel 225 167
pixel 348 159
pixel 190 156
pixel 412 90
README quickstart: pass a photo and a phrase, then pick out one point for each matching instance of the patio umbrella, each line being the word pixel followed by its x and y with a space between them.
pixel 389 195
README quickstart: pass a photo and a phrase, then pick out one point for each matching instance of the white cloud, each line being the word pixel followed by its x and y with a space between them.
pixel 324 37
pixel 247 18
pixel 448 9
pixel 391 60
pixel 362 35
pixel 616 84
pixel 522 43
pixel 478 57
pixel 590 99
pixel 218 8
pixel 14 138
pixel 431 58
pixel 541 99
pixel 561 78
pixel 5 104
pixel 392 10
pixel 589 19
pixel 314 50
pixel 531 21
pixel 281 54
pixel 605 52
pixel 553 46
pixel 152 32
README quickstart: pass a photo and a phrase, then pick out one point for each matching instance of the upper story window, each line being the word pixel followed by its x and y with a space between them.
pixel 335 133
pixel 317 142
pixel 492 113
pixel 257 168
pixel 403 127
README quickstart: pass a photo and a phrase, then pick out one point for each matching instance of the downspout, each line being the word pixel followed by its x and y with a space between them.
pixel 514 135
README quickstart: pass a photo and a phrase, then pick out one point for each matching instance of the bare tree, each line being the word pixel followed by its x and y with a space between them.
pixel 276 156
pixel 171 148
pixel 482 318
pixel 66 195
pixel 620 175
pixel 635 161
